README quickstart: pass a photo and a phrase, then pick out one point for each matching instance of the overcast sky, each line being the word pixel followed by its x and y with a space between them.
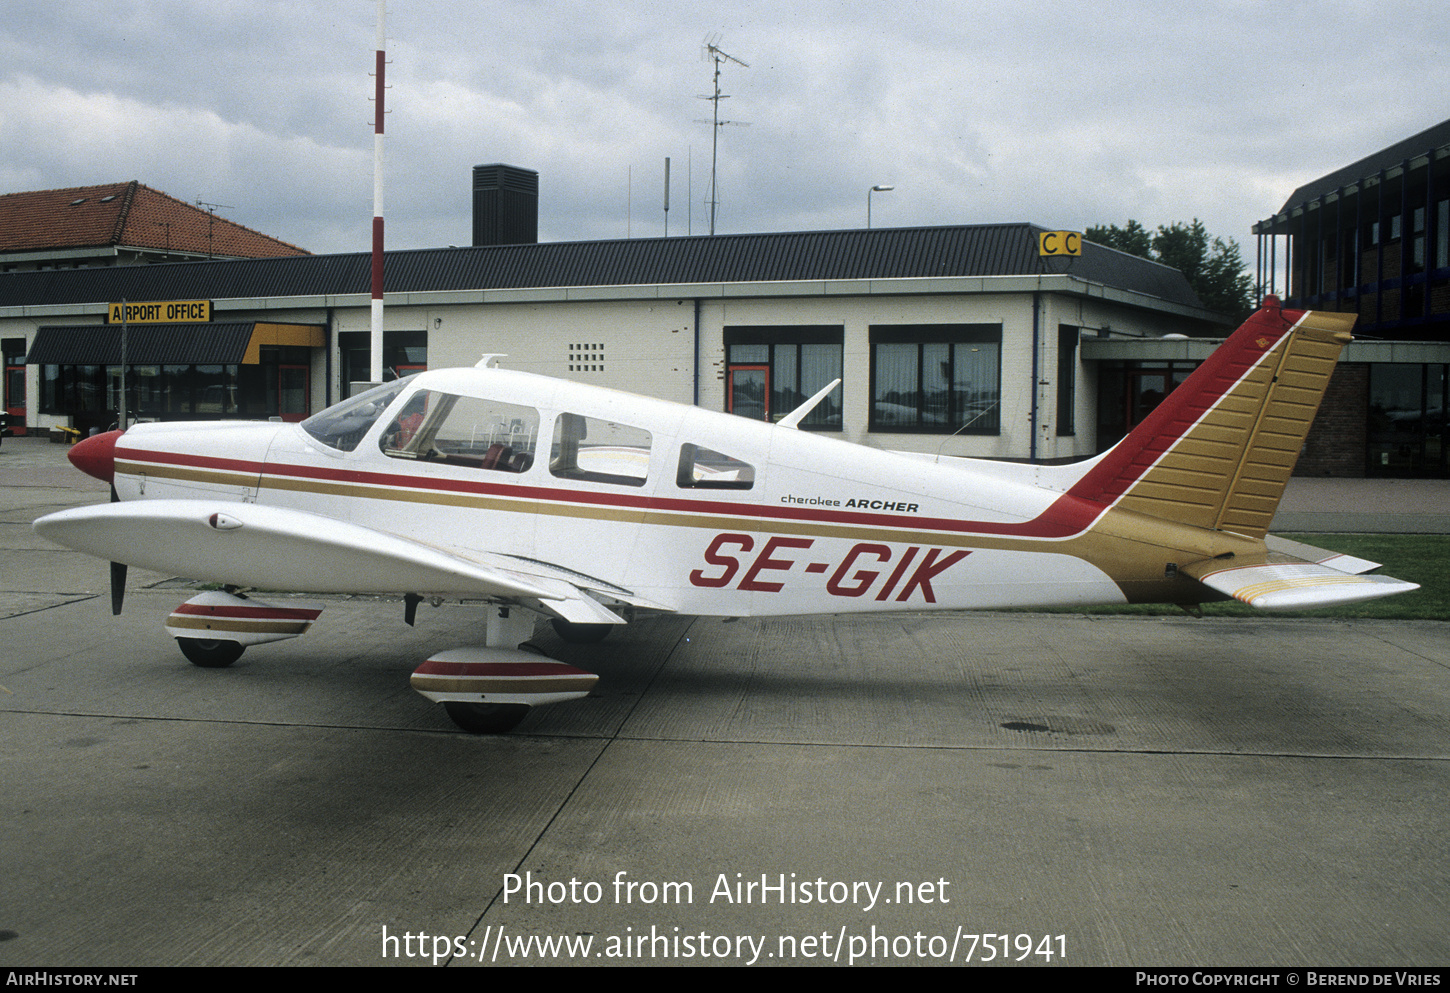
pixel 1062 114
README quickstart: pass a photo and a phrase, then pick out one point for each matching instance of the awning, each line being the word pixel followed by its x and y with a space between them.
pixel 167 344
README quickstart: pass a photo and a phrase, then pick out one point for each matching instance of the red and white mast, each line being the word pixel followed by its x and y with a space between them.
pixel 375 370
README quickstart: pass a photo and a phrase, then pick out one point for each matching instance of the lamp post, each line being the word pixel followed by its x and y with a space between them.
pixel 874 189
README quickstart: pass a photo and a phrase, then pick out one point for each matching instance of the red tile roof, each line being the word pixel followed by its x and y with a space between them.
pixel 126 215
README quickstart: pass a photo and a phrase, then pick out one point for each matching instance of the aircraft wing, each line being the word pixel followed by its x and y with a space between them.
pixel 245 544
pixel 1276 580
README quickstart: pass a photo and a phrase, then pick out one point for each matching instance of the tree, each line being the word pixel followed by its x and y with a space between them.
pixel 1214 268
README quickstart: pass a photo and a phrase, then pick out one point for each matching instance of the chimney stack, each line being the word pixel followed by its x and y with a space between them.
pixel 505 205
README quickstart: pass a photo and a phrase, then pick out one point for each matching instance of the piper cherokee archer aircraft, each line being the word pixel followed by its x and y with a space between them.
pixel 586 506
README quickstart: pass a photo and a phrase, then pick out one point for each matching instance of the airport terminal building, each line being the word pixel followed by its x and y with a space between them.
pixel 964 340
pixel 961 340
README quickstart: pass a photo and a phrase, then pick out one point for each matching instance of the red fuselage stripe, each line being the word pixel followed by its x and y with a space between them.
pixel 1066 516
pixel 253 613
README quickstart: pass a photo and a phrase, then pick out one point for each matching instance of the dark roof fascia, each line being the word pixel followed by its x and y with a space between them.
pixel 1198 349
pixel 1431 144
pixel 877 254
pixel 146 344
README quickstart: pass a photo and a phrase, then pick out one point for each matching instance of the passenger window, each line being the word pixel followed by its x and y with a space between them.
pixel 464 431
pixel 704 469
pixel 599 451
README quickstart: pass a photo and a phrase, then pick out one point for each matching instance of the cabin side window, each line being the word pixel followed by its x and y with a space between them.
pixel 463 431
pixel 599 451
pixel 705 469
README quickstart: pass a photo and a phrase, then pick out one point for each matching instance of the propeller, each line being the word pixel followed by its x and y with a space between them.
pixel 118 572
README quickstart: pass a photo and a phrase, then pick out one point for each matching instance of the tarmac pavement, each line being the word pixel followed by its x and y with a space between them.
pixel 1101 790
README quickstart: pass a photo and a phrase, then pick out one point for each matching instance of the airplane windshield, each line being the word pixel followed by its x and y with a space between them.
pixel 343 425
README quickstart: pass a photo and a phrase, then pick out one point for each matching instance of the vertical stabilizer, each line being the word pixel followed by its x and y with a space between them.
pixel 1219 450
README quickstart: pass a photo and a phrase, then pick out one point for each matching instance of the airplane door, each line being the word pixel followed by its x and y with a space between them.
pixel 748 391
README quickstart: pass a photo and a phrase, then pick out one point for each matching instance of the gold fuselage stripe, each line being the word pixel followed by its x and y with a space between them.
pixel 1133 549
pixel 237 624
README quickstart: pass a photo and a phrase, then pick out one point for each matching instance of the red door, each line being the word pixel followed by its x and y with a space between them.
pixel 15 398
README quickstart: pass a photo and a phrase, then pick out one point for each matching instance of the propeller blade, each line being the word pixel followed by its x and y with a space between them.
pixel 118 586
pixel 118 572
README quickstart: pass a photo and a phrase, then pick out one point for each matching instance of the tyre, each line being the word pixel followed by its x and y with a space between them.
pixel 210 654
pixel 486 718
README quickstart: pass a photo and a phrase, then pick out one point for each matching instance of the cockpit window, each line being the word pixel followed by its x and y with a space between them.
pixel 705 469
pixel 465 431
pixel 599 451
pixel 343 425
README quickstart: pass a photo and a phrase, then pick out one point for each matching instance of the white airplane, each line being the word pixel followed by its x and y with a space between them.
pixel 552 500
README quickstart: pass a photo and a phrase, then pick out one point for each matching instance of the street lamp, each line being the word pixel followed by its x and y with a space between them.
pixel 874 189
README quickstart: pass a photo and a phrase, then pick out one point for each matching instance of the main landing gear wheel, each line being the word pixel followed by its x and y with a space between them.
pixel 210 654
pixel 486 718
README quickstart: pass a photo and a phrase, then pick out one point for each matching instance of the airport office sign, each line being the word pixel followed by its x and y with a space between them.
pixel 161 312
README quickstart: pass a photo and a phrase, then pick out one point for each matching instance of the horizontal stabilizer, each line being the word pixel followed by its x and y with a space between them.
pixel 1320 556
pixel 1276 581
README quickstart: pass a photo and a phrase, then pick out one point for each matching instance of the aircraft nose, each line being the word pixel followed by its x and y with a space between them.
pixel 96 456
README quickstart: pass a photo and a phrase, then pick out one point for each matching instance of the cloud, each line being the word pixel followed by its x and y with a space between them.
pixel 992 112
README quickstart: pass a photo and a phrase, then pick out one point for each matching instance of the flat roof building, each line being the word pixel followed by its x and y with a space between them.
pixel 1373 239
pixel 963 339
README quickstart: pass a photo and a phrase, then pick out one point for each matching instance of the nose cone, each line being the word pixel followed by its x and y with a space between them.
pixel 96 456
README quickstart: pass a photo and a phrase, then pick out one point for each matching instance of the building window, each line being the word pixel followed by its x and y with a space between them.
pixel 277 386
pixel 404 353
pixel 1407 420
pixel 1067 337
pixel 1442 234
pixel 1130 391
pixel 772 369
pixel 936 378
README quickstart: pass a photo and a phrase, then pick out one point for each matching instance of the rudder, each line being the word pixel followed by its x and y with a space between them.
pixel 1219 450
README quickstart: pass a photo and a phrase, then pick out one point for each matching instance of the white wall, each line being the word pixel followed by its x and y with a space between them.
pixel 649 345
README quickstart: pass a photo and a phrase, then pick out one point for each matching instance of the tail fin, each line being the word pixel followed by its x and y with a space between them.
pixel 1219 450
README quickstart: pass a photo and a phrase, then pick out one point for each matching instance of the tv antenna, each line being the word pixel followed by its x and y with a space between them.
pixel 711 50
pixel 210 221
